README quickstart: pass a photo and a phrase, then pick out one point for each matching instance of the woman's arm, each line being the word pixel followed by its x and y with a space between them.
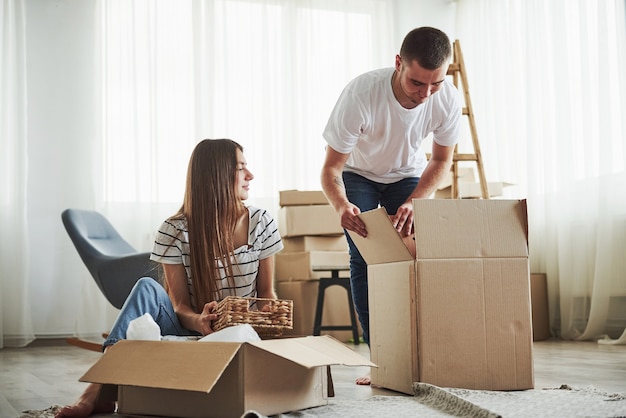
pixel 176 278
pixel 265 280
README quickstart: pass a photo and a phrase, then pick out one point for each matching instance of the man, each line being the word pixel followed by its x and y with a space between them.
pixel 374 134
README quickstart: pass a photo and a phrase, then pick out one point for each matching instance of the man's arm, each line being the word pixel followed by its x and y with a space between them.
pixel 335 191
pixel 437 168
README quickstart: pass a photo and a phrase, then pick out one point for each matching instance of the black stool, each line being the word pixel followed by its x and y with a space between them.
pixel 325 282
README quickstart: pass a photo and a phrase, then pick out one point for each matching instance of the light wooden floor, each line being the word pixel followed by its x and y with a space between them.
pixel 47 372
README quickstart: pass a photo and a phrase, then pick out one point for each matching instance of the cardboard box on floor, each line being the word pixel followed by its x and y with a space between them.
pixel 472 190
pixel 459 314
pixel 539 303
pixel 210 379
pixel 469 188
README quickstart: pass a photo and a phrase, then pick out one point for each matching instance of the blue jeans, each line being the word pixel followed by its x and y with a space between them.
pixel 147 296
pixel 368 195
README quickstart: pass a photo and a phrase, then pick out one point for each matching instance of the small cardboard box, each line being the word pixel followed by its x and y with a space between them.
pixel 541 314
pixel 304 296
pixel 302 197
pixel 469 188
pixel 465 175
pixel 302 265
pixel 294 221
pixel 458 315
pixel 315 243
pixel 472 190
pixel 210 379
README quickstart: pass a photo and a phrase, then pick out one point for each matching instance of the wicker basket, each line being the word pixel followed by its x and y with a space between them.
pixel 234 310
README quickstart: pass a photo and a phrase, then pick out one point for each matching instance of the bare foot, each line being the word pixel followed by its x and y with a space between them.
pixel 364 381
pixel 86 405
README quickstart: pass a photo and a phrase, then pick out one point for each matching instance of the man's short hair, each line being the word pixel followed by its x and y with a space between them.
pixel 429 46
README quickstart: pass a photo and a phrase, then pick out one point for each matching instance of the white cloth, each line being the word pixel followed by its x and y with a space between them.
pixel 236 334
pixel 143 328
pixel 383 138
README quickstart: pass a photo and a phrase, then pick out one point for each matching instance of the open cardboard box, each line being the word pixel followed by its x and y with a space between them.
pixel 458 313
pixel 218 379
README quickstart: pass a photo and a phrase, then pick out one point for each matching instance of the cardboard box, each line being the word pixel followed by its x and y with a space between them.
pixel 302 265
pixel 304 296
pixel 211 379
pixel 459 314
pixel 315 243
pixel 294 221
pixel 466 175
pixel 539 302
pixel 469 188
pixel 302 197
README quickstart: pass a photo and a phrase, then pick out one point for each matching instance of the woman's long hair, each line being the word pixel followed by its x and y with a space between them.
pixel 212 208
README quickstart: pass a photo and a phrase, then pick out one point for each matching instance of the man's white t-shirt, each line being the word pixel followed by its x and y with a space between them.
pixel 383 138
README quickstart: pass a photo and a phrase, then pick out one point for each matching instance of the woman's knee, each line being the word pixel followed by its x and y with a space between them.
pixel 148 282
pixel 148 286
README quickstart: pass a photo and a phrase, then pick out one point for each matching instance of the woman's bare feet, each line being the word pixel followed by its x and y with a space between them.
pixel 86 404
pixel 364 380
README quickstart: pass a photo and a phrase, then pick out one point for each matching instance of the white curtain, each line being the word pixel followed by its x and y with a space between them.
pixel 115 94
pixel 264 73
pixel 16 328
pixel 548 87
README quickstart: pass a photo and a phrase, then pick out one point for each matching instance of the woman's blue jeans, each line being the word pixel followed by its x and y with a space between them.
pixel 368 195
pixel 147 296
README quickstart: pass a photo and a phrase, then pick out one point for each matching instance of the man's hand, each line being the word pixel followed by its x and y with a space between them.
pixel 206 318
pixel 403 219
pixel 350 220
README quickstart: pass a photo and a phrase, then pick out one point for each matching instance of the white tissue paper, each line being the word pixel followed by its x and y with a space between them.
pixel 143 328
pixel 235 334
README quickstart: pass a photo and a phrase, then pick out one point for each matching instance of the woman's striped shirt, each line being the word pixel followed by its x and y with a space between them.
pixel 171 246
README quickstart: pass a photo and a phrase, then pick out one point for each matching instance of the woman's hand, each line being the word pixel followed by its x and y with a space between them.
pixel 206 318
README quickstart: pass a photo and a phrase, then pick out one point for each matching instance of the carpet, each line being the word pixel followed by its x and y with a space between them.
pixel 432 401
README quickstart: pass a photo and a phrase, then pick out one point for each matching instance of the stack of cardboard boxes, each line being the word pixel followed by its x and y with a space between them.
pixel 313 238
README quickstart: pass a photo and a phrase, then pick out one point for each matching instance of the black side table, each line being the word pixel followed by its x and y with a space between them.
pixel 324 283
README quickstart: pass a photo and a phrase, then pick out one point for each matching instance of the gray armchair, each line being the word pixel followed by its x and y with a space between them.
pixel 112 262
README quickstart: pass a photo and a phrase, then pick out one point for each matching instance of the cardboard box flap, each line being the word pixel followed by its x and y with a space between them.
pixel 470 228
pixel 312 352
pixel 383 244
pixel 183 365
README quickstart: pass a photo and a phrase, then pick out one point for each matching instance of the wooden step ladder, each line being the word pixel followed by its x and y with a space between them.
pixel 457 71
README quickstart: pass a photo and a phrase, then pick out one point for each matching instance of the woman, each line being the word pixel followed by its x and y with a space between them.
pixel 236 244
